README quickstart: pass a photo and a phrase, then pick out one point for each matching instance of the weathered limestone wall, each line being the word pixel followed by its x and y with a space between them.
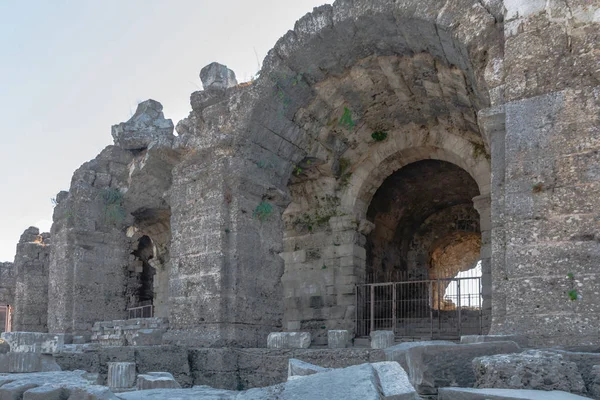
pixel 7 289
pixel 88 262
pixel 545 192
pixel 7 283
pixel 225 286
pixel 31 270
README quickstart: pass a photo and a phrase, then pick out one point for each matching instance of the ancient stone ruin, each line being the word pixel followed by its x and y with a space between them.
pixel 400 175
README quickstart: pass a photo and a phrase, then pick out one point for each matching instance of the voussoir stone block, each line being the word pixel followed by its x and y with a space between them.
pixel 288 340
pixel 34 342
pixel 382 339
pixel 533 369
pixel 338 339
pixel 121 375
pixel 504 394
pixel 156 380
pixel 432 367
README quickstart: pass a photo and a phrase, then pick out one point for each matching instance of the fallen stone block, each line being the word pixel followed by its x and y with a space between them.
pixel 585 363
pixel 288 340
pixel 432 367
pixel 34 342
pixel 398 352
pixel 156 380
pixel 594 386
pixel 195 393
pixel 521 340
pixel 121 375
pixel 356 382
pixel 15 390
pixel 338 339
pixel 504 394
pixel 301 368
pixel 95 392
pixel 27 362
pixel 533 369
pixel 395 384
pixel 46 392
pixel 382 339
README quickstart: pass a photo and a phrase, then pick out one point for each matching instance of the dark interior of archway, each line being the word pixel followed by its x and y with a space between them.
pixel 145 252
pixel 414 209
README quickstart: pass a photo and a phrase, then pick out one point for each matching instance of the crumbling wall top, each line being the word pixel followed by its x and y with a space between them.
pixel 147 125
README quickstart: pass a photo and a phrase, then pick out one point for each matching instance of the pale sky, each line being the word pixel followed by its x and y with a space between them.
pixel 71 69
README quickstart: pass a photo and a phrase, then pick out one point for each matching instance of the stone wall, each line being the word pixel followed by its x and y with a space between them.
pixel 227 368
pixel 88 262
pixel 7 289
pixel 545 202
pixel 279 174
pixel 31 270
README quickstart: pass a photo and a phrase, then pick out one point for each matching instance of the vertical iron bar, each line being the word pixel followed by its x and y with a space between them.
pixel 394 308
pixel 430 303
pixel 372 308
pixel 438 309
pixel 458 307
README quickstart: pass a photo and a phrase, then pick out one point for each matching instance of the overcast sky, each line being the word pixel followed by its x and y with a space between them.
pixel 71 69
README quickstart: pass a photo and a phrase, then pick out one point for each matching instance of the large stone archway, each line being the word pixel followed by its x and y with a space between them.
pixel 410 70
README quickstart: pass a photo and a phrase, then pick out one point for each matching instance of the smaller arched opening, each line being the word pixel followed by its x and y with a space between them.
pixel 421 252
pixel 140 288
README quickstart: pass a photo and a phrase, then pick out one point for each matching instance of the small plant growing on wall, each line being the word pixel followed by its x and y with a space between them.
pixel 114 212
pixel 379 136
pixel 572 292
pixel 346 120
pixel 263 211
pixel 537 188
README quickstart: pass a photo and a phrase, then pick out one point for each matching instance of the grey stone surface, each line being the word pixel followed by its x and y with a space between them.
pixel 338 339
pixel 45 385
pixel 288 340
pixel 398 352
pixel 301 368
pixel 197 392
pixel 594 385
pixel 382 339
pixel 156 380
pixel 395 384
pixel 121 375
pixel 34 342
pixel 504 394
pixel 31 274
pixel 533 369
pixel 148 124
pixel 521 340
pixel 216 76
pixel 27 362
pixel 278 166
pixel 46 392
pixel 432 367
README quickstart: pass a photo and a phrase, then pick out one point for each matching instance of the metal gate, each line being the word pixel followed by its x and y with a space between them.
pixel 427 309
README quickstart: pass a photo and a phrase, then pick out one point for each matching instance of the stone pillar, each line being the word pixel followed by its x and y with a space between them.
pixel 482 204
pixel 31 276
pixel 320 279
pixel 552 180
pixel 225 281
pixel 121 375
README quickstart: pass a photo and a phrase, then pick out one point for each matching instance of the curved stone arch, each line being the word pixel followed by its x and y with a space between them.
pixel 409 147
pixel 332 38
